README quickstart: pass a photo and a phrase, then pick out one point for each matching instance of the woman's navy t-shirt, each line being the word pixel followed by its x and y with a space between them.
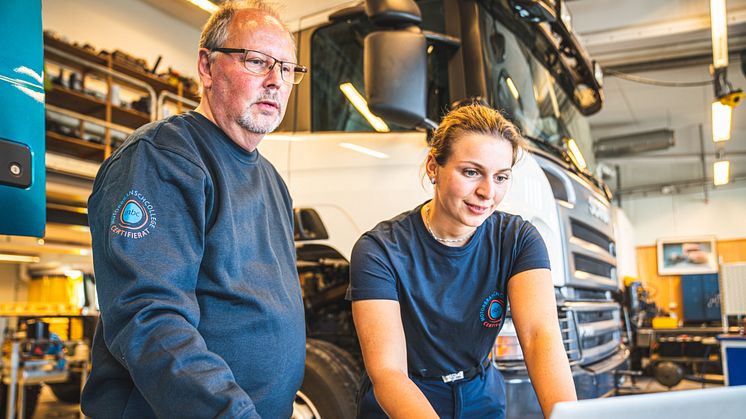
pixel 452 299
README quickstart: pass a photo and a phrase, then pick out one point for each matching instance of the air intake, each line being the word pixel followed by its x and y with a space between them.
pixel 624 145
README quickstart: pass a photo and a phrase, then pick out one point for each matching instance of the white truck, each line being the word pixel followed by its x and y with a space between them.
pixel 345 175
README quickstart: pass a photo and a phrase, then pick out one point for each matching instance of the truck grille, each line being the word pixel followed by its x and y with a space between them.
pixel 598 329
pixel 569 336
pixel 594 266
pixel 591 235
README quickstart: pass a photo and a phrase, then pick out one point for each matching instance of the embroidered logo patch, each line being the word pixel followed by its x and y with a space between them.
pixel 134 217
pixel 491 312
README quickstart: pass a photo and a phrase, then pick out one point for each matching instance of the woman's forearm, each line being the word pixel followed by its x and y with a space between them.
pixel 549 369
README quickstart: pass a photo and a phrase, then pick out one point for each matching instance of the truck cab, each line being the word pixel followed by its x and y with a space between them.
pixel 353 170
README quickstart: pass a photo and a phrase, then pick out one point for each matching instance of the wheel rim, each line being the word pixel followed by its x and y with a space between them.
pixel 303 407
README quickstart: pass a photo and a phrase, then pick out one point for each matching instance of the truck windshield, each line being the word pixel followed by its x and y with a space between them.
pixel 337 59
pixel 520 85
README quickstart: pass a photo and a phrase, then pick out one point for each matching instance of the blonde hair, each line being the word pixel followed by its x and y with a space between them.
pixel 477 119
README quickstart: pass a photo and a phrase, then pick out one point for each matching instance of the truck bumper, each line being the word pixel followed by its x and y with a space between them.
pixel 591 381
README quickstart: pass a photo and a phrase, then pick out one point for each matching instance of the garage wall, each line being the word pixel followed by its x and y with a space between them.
pixel 688 215
pixel 667 289
pixel 109 24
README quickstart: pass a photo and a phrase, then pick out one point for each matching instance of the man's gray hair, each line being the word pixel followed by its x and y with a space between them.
pixel 215 32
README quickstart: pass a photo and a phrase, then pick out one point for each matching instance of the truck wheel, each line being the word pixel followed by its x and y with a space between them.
pixel 69 391
pixel 330 384
pixel 30 400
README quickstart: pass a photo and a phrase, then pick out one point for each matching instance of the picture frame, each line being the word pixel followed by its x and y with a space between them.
pixel 687 255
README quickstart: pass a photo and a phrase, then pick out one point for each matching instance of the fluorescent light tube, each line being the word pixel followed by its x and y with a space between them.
pixel 721 120
pixel 358 101
pixel 719 27
pixel 513 89
pixel 575 153
pixel 7 257
pixel 205 5
pixel 721 170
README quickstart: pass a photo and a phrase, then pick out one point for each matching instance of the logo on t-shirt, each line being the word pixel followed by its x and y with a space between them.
pixel 491 312
pixel 134 217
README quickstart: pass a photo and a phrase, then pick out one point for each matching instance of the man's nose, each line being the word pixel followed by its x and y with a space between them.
pixel 274 77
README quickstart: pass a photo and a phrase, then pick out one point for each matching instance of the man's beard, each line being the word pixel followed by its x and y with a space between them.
pixel 258 124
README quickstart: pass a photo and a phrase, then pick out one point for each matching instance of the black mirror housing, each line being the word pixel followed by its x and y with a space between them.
pixel 393 13
pixel 395 65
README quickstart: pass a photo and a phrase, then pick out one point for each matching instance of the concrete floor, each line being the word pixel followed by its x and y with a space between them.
pixel 50 408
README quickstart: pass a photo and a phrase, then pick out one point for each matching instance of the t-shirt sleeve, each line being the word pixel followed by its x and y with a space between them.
pixel 148 215
pixel 371 274
pixel 530 250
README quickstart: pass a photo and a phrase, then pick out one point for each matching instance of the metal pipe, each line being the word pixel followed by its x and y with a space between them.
pixel 87 118
pixel 165 94
pixel 704 165
pixel 14 361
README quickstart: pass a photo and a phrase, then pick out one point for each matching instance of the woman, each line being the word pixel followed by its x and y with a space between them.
pixel 429 287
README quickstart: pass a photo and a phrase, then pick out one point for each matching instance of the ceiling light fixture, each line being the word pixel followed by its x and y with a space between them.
pixel 721 171
pixel 11 258
pixel 205 5
pixel 358 101
pixel 721 121
pixel 726 97
pixel 719 27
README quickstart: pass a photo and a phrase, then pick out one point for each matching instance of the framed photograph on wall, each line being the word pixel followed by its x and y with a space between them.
pixel 687 256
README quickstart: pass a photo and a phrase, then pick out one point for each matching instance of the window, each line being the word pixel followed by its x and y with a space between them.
pixel 337 57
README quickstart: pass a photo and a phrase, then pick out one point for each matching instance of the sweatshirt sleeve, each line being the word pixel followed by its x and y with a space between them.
pixel 148 216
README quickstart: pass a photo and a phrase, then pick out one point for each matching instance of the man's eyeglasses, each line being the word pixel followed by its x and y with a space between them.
pixel 261 64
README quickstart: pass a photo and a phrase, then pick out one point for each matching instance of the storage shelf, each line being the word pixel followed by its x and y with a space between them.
pixel 154 81
pixel 95 107
pixel 74 146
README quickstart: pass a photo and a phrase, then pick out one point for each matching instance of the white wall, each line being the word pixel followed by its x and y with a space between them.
pixel 128 25
pixel 724 216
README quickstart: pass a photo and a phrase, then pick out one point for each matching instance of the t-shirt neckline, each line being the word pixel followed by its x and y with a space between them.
pixel 439 247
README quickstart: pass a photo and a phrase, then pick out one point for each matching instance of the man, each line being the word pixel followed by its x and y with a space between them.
pixel 201 309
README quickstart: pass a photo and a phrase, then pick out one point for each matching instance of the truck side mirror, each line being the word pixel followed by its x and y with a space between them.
pixel 395 67
pixel 395 62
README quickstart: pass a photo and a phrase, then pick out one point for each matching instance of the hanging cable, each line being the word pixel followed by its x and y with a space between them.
pixel 663 83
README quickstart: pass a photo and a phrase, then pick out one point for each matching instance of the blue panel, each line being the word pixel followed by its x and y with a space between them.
pixel 701 297
pixel 23 210
pixel 736 358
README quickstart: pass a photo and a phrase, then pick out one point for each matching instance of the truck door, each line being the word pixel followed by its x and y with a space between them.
pixel 22 175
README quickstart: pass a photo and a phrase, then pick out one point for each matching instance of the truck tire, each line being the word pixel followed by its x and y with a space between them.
pixel 329 388
pixel 30 400
pixel 69 391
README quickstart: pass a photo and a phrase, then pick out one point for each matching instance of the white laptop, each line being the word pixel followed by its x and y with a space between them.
pixel 712 403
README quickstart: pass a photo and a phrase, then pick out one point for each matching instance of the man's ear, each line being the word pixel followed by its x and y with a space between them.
pixel 203 68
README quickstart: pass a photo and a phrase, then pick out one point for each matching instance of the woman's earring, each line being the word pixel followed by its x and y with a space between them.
pixel 432 180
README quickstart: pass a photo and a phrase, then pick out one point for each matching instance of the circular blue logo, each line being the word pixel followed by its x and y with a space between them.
pixel 492 310
pixel 132 213
pixel 496 310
